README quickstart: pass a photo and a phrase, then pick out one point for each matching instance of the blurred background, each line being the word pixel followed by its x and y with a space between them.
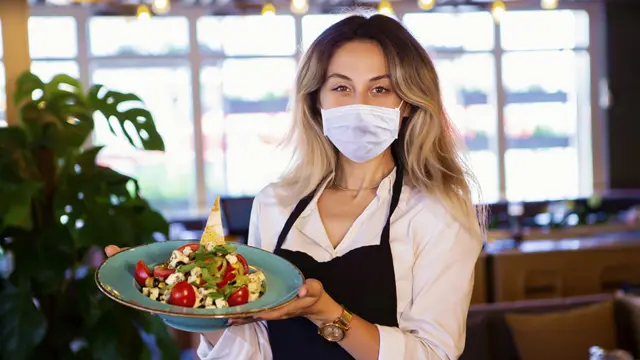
pixel 544 92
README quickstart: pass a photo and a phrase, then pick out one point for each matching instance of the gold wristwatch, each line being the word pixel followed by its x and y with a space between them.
pixel 336 330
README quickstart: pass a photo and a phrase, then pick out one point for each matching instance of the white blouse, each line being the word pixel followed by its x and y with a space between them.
pixel 434 260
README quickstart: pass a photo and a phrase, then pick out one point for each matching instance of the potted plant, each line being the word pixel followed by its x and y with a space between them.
pixel 57 208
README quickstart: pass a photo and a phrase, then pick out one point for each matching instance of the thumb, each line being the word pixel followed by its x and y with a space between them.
pixel 112 250
pixel 311 288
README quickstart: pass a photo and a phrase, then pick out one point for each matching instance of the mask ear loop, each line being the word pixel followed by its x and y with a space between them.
pixel 397 147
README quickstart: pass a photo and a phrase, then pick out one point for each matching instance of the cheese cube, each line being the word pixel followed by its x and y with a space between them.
pixel 175 278
pixel 153 293
pixel 232 259
pixel 221 303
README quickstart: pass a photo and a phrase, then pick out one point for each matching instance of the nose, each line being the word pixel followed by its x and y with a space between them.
pixel 362 98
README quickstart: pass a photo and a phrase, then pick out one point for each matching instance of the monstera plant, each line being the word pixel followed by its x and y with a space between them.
pixel 58 209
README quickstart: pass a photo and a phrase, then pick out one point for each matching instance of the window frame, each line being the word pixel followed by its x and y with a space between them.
pixel 590 135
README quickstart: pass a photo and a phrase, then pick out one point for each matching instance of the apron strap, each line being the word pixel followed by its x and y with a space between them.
pixel 395 199
pixel 297 211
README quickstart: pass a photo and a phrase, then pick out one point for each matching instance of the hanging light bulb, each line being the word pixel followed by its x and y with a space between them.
pixel 497 10
pixel 143 12
pixel 426 4
pixel 299 6
pixel 161 6
pixel 268 9
pixel 548 4
pixel 385 8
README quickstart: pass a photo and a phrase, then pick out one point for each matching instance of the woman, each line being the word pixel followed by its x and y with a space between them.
pixel 384 229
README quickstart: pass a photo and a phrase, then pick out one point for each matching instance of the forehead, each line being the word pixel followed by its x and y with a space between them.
pixel 357 59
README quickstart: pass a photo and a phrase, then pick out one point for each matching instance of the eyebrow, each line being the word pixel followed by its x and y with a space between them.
pixel 345 77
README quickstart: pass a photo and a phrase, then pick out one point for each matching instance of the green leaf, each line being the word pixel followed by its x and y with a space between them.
pixel 66 81
pixel 56 248
pixel 15 207
pixel 87 159
pixel 13 137
pixel 22 325
pixel 115 336
pixel 110 104
pixel 26 84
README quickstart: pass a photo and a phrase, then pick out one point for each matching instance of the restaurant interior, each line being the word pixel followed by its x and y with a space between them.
pixel 545 93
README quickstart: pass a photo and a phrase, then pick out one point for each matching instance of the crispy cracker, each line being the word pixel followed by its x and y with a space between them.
pixel 213 231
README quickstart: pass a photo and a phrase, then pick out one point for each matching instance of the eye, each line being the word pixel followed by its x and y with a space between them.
pixel 340 88
pixel 380 90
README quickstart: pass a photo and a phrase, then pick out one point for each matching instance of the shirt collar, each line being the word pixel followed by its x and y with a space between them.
pixel 384 190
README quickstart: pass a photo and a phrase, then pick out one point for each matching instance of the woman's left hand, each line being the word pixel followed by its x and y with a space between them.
pixel 312 302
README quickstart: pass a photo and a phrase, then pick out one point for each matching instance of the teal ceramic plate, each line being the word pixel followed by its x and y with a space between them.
pixel 115 278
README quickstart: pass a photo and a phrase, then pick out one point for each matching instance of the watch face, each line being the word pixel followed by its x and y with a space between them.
pixel 332 333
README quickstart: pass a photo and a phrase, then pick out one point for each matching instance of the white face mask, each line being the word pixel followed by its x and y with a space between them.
pixel 361 132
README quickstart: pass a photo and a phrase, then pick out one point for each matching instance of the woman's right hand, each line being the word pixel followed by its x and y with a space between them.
pixel 112 250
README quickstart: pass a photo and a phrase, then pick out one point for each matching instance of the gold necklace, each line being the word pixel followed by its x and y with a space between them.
pixel 347 189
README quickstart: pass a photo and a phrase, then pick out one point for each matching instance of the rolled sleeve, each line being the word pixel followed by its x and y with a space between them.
pixel 391 343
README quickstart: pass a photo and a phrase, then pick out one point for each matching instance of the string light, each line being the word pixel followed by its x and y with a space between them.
pixel 426 4
pixel 161 7
pixel 497 10
pixel 299 7
pixel 143 12
pixel 548 4
pixel 268 9
pixel 385 8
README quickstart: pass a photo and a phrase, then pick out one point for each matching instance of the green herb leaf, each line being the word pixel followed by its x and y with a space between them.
pixel 186 268
pixel 215 295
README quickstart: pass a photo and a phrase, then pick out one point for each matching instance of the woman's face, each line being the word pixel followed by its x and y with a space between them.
pixel 358 74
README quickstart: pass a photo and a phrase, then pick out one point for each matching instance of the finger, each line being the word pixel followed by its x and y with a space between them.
pixel 112 250
pixel 294 309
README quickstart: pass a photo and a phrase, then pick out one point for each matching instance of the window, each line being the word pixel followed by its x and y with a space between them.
pixel 460 46
pixel 148 58
pixel 467 83
pixel 244 68
pixel 127 36
pixel 253 35
pixel 245 97
pixel 545 30
pixel 546 103
pixel 472 31
pixel 53 46
pixel 53 37
pixel 166 179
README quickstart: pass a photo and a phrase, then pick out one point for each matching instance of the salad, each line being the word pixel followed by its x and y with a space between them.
pixel 207 275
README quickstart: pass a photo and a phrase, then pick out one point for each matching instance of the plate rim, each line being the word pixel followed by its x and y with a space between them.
pixel 186 315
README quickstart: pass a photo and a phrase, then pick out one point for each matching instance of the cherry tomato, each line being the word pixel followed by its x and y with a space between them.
pixel 228 276
pixel 182 294
pixel 239 297
pixel 142 272
pixel 194 247
pixel 162 272
pixel 243 261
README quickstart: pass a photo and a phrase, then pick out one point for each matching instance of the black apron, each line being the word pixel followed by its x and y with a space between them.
pixel 363 280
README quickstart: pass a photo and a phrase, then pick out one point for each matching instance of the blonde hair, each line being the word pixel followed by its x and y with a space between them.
pixel 433 159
